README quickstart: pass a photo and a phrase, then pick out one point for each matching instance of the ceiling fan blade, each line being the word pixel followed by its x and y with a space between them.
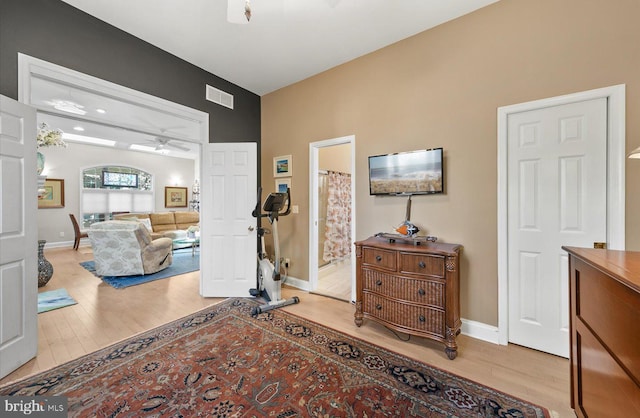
pixel 180 147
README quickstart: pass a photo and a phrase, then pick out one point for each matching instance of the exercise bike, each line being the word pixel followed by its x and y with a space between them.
pixel 268 276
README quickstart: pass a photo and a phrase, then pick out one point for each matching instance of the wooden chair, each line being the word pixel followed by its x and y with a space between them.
pixel 79 234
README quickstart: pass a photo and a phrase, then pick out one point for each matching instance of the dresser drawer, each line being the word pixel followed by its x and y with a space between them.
pixel 420 291
pixel 420 319
pixel 379 258
pixel 427 265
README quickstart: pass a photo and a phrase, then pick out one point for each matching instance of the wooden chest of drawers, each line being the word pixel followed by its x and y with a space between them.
pixel 604 293
pixel 414 289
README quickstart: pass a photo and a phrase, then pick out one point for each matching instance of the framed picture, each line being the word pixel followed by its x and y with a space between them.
pixel 53 196
pixel 282 166
pixel 175 197
pixel 282 185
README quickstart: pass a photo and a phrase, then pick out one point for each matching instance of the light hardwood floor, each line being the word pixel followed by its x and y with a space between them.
pixel 105 315
pixel 334 281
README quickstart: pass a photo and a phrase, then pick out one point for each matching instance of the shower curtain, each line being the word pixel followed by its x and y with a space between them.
pixel 337 244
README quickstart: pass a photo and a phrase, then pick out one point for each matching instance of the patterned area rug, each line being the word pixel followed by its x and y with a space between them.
pixel 184 261
pixel 223 362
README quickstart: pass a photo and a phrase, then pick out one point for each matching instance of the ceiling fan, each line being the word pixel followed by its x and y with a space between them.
pixel 162 142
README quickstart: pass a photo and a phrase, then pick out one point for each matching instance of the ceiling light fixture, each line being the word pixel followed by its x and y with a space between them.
pixel 67 106
pixel 88 140
pixel 137 147
pixel 159 150
pixel 247 10
pixel 236 9
pixel 635 153
pixel 101 111
pixel 78 128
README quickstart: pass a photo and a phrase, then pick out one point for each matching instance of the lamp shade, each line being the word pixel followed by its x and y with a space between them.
pixel 635 153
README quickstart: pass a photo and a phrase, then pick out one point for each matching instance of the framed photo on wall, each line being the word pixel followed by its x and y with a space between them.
pixel 175 197
pixel 282 166
pixel 53 196
pixel 282 185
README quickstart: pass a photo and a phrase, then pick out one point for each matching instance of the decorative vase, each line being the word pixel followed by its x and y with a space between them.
pixel 40 162
pixel 45 269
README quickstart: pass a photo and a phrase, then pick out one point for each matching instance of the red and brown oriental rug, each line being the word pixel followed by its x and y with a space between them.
pixel 222 362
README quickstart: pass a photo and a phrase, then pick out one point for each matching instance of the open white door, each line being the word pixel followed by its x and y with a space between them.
pixel 228 231
pixel 18 241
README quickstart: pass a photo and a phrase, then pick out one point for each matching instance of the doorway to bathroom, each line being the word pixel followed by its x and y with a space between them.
pixel 332 223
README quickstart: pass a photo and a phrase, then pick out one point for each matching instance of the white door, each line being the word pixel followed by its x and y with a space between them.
pixel 228 260
pixel 18 236
pixel 557 195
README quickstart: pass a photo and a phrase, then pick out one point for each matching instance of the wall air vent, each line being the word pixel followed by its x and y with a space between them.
pixel 220 97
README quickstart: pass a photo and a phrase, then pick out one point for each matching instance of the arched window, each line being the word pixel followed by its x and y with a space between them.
pixel 108 190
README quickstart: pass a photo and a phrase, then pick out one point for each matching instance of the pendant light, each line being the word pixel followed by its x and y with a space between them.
pixel 238 11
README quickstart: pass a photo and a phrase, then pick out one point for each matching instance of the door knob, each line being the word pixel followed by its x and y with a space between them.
pixel 250 228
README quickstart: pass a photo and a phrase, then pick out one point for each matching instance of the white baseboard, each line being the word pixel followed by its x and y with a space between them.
pixel 297 283
pixel 480 331
pixel 64 244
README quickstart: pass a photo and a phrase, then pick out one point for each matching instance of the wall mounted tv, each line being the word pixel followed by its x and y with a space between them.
pixel 407 173
pixel 110 178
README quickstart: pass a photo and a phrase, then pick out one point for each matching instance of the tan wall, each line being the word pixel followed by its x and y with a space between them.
pixel 335 158
pixel 442 88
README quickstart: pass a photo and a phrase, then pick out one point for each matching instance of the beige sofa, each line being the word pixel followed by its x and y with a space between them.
pixel 164 224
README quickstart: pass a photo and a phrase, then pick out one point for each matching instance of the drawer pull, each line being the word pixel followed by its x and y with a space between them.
pixel 422 264
pixel 378 307
pixel 379 282
pixel 421 318
pixel 421 292
pixel 378 258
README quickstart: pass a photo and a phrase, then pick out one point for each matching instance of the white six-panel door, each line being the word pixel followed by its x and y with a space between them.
pixel 18 235
pixel 557 195
pixel 228 234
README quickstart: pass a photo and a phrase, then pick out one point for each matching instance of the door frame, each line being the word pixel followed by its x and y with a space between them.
pixel 616 158
pixel 30 67
pixel 314 148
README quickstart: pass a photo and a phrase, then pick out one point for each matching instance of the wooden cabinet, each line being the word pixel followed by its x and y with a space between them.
pixel 604 288
pixel 411 288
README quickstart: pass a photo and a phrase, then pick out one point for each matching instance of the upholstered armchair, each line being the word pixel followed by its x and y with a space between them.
pixel 122 248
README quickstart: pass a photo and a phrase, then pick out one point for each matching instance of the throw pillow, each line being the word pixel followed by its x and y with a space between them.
pixel 147 223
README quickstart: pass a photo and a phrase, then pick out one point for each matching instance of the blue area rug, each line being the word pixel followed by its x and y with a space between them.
pixel 54 299
pixel 183 262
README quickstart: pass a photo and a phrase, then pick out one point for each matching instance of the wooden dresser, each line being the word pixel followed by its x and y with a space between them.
pixel 410 288
pixel 604 288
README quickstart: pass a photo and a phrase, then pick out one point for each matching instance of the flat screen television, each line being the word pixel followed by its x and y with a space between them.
pixel 407 173
pixel 110 178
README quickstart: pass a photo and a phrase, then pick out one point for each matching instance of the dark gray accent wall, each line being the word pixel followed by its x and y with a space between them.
pixel 59 33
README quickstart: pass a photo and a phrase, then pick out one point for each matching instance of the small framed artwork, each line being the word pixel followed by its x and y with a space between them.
pixel 53 196
pixel 175 197
pixel 282 166
pixel 282 185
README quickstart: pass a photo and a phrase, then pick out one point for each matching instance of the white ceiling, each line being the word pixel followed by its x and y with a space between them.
pixel 91 115
pixel 286 40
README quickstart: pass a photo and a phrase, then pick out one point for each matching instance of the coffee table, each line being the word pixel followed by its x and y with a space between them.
pixel 194 242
